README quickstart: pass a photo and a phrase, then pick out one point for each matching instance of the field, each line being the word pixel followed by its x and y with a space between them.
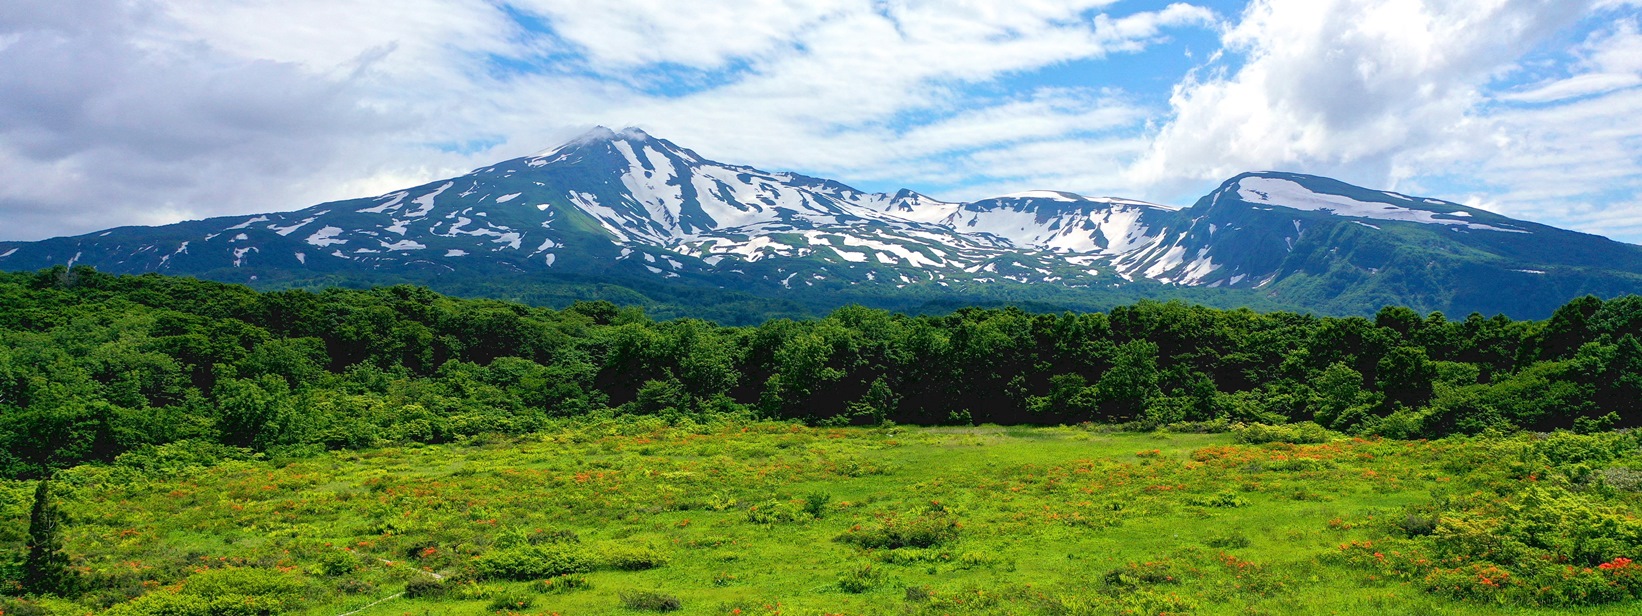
pixel 763 518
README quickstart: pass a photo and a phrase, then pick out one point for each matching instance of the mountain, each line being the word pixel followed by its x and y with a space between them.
pixel 635 211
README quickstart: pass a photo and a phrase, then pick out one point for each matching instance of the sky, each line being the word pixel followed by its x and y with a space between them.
pixel 120 112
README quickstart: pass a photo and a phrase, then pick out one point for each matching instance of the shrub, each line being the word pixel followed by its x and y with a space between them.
pixel 631 558
pixel 176 604
pixel 1303 433
pixel 473 591
pixel 1622 479
pixel 1138 575
pixel 511 601
pixel 355 586
pixel 1223 500
pixel 860 580
pixel 815 504
pixel 236 583
pixel 563 583
pixel 221 592
pixel 22 608
pixel 424 587
pixel 650 601
pixel 531 562
pixel 922 530
pixel 1416 524
pixel 774 512
pixel 1570 448
pixel 334 563
pixel 1234 540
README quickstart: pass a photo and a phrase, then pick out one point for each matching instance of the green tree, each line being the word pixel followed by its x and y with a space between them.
pixel 45 568
pixel 876 405
pixel 1070 399
pixel 259 412
pixel 1131 382
pixel 1341 401
pixel 1406 376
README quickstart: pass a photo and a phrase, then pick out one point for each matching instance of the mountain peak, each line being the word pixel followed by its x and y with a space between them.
pixel 602 134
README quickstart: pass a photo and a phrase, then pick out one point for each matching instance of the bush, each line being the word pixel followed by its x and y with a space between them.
pixel 1223 500
pixel 650 601
pixel 221 592
pixel 236 584
pixel 424 587
pixel 860 580
pixel 1569 448
pixel 1139 575
pixel 1418 524
pixel 473 591
pixel 815 504
pixel 776 512
pixel 334 563
pixel 1622 479
pixel 1234 540
pixel 22 608
pixel 531 562
pixel 563 583
pixel 1303 433
pixel 631 558
pixel 511 601
pixel 922 530
pixel 355 586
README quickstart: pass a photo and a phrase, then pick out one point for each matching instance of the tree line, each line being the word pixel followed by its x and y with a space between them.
pixel 93 366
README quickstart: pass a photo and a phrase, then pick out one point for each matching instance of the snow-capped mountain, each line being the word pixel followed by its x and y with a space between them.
pixel 626 206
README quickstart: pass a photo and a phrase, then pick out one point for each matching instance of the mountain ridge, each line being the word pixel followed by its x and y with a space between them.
pixel 628 206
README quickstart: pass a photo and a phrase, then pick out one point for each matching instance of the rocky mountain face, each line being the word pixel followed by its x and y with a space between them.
pixel 626 207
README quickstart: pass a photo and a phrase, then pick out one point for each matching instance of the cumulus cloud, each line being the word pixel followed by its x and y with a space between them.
pixel 151 111
pixel 1344 86
pixel 98 126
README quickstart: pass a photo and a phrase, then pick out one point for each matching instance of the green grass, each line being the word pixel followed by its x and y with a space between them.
pixel 768 518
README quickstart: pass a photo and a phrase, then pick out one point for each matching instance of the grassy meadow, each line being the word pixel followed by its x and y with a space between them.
pixel 629 517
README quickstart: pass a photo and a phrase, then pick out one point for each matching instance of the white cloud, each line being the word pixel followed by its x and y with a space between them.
pixel 1566 152
pixel 1609 61
pixel 1575 87
pixel 149 111
pixel 632 33
pixel 1345 87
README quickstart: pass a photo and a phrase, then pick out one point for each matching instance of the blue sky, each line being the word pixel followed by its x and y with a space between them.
pixel 152 111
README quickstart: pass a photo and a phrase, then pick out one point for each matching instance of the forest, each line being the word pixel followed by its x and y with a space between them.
pixel 95 365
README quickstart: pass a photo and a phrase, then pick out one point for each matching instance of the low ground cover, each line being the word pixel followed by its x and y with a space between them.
pixel 640 516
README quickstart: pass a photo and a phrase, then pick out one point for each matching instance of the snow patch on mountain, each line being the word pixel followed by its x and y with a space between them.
pixel 285 231
pixel 404 245
pixel 426 201
pixel 1293 195
pixel 393 201
pixel 247 224
pixel 326 236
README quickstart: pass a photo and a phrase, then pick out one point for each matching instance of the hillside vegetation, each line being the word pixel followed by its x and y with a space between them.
pixel 93 365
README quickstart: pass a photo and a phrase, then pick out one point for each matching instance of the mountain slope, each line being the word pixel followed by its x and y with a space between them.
pixel 633 210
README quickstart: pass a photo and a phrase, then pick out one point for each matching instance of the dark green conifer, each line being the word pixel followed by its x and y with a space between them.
pixel 45 569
